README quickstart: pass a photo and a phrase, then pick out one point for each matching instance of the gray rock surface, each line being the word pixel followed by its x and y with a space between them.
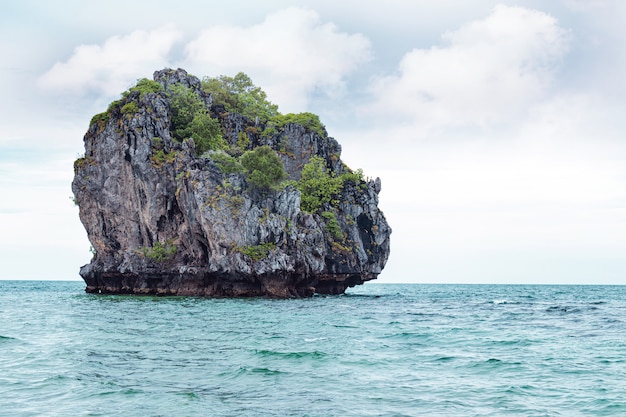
pixel 180 226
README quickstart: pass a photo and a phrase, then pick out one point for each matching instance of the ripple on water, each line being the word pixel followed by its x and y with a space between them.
pixel 384 350
pixel 316 355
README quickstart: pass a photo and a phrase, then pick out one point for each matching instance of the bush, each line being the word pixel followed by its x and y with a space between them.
pixel 317 186
pixel 101 119
pixel 160 252
pixel 130 108
pixel 190 119
pixel 184 106
pixel 332 225
pixel 263 168
pixel 160 158
pixel 355 177
pixel 307 120
pixel 206 133
pixel 239 94
pixel 257 252
pixel 145 86
pixel 226 163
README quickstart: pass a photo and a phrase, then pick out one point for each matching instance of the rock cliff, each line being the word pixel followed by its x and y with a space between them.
pixel 164 218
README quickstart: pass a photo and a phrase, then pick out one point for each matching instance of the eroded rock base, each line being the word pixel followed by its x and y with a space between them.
pixel 220 286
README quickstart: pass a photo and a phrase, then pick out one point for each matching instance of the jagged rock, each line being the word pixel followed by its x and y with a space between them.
pixel 163 220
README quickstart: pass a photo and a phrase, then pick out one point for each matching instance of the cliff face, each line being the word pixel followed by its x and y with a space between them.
pixel 163 220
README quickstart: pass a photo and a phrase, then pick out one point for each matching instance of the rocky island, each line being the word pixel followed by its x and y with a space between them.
pixel 203 188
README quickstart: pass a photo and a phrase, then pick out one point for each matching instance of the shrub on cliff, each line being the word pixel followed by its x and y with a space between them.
pixel 206 133
pixel 239 94
pixel 332 225
pixel 307 120
pixel 190 119
pixel 159 252
pixel 317 186
pixel 263 168
pixel 145 86
pixel 226 163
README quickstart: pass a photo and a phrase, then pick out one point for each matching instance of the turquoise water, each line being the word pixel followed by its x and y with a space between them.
pixel 382 350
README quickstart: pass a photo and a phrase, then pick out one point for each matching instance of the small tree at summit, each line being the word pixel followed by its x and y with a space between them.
pixel 239 94
pixel 190 119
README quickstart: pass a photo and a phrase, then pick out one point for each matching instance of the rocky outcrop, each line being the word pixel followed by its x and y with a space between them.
pixel 163 220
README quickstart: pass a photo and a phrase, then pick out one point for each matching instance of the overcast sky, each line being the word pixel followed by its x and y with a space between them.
pixel 497 127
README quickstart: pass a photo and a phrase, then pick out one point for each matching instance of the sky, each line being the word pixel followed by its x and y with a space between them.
pixel 497 127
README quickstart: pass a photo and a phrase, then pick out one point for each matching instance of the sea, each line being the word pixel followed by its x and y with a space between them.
pixel 379 350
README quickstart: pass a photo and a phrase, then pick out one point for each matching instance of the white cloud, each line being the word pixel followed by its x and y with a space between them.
pixel 489 73
pixel 110 68
pixel 291 54
pixel 546 204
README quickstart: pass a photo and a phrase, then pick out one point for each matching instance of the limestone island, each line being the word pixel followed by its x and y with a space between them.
pixel 202 188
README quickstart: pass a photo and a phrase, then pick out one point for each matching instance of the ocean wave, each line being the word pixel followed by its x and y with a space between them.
pixel 291 355
pixel 563 309
pixel 504 301
pixel 244 370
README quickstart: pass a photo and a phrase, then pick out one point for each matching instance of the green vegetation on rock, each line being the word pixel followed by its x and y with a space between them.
pixel 355 177
pixel 332 225
pixel 101 119
pixel 239 94
pixel 191 119
pixel 159 252
pixel 317 186
pixel 307 120
pixel 226 163
pixel 145 86
pixel 257 252
pixel 130 108
pixel 263 168
pixel 82 162
pixel 160 158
